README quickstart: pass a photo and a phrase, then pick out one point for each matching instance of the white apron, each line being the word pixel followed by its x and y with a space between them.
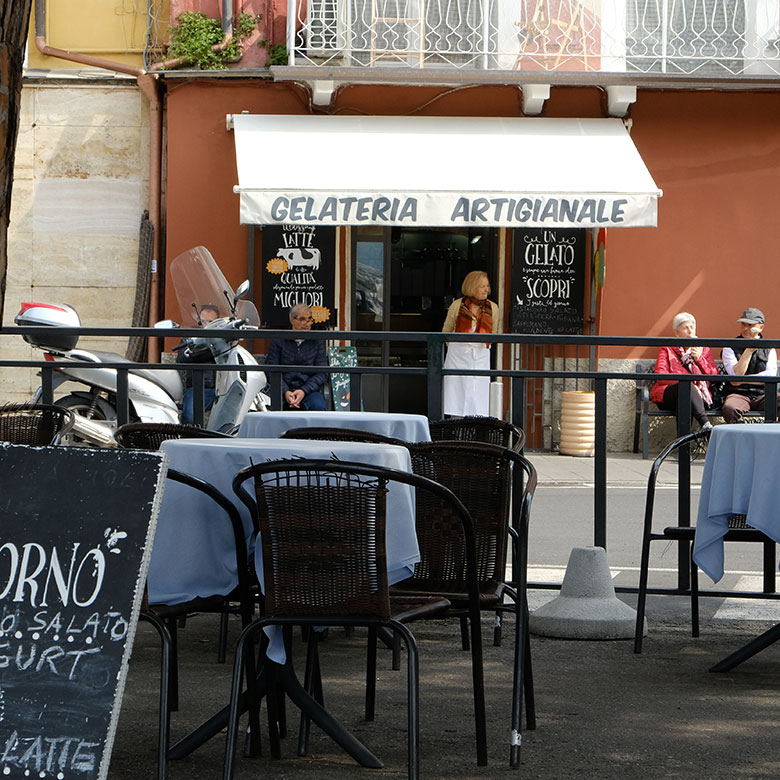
pixel 465 395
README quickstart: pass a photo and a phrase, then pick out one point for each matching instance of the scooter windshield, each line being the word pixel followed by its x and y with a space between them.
pixel 199 285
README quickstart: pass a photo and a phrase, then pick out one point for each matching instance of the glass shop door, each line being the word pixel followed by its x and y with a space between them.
pixel 404 280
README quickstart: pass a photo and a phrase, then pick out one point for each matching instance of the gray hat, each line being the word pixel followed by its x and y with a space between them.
pixel 752 316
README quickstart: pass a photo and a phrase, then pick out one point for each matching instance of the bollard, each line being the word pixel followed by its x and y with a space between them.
pixel 587 607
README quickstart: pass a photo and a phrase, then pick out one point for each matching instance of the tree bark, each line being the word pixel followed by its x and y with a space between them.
pixel 14 26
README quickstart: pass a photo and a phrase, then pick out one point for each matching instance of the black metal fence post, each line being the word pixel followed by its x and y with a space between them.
pixel 600 466
pixel 435 363
pixel 122 398
pixel 684 483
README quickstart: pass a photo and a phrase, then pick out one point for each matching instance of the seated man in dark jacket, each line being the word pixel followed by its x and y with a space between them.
pixel 300 389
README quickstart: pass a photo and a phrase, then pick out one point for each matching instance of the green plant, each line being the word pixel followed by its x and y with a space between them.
pixel 195 34
pixel 277 54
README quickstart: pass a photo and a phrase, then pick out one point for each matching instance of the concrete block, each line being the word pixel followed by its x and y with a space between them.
pixel 587 607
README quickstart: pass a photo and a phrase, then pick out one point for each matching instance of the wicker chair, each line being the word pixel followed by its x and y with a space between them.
pixel 474 428
pixel 497 486
pixel 339 434
pixel 738 531
pixel 306 510
pixel 37 425
pixel 149 436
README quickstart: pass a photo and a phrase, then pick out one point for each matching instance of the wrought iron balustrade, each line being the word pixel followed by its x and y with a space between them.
pixel 700 38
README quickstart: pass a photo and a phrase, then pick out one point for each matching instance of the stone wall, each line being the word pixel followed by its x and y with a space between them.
pixel 80 189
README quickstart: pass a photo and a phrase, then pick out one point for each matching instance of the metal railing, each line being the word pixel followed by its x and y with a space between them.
pixel 519 380
pixel 700 38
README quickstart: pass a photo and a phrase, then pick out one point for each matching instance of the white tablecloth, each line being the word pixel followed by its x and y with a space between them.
pixel 406 427
pixel 741 476
pixel 193 547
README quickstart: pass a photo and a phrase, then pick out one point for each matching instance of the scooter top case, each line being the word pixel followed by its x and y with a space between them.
pixel 54 315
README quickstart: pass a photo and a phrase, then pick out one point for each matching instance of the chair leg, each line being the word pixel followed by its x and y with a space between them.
pixel 223 637
pixel 164 723
pixel 464 632
pixel 770 566
pixel 371 672
pixel 413 718
pixel 528 680
pixel 694 597
pixel 173 664
pixel 311 673
pixel 641 598
pixel 645 436
pixel 478 677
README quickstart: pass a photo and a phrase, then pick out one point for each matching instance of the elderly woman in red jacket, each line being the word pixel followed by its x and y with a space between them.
pixel 691 360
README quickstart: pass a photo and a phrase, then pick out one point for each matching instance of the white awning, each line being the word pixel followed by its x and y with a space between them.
pixel 440 172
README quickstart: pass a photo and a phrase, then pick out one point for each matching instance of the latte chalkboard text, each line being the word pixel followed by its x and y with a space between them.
pixel 76 528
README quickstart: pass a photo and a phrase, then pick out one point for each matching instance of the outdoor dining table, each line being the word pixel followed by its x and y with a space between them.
pixel 740 477
pixel 207 547
pixel 406 427
pixel 195 557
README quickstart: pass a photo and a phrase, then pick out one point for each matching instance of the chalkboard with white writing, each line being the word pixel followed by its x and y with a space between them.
pixel 76 528
pixel 548 272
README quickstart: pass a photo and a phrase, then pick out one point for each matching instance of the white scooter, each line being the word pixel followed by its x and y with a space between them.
pixel 155 395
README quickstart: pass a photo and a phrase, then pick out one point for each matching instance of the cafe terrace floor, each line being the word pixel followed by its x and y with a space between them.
pixel 603 712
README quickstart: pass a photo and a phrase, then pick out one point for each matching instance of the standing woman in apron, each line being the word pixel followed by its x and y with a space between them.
pixel 473 313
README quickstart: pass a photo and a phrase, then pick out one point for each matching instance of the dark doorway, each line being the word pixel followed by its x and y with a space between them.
pixel 404 280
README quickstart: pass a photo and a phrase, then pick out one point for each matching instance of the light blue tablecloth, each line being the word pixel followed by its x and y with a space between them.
pixel 406 427
pixel 193 547
pixel 741 476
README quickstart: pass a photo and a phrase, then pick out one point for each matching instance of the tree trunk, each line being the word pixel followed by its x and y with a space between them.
pixel 14 26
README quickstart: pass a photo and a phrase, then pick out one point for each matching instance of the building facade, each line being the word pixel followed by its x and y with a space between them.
pixel 694 83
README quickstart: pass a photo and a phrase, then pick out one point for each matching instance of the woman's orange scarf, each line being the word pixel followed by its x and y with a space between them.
pixel 466 317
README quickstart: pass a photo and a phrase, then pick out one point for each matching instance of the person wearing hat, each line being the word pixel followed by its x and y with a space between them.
pixel 747 361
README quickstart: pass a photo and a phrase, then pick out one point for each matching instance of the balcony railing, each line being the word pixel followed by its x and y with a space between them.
pixel 700 38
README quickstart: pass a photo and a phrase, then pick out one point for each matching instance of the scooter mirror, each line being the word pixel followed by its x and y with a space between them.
pixel 166 324
pixel 242 290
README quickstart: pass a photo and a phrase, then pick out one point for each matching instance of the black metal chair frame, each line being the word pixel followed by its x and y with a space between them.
pixel 491 430
pixel 149 435
pixel 300 694
pixel 61 419
pixel 165 617
pixel 738 531
pixel 523 485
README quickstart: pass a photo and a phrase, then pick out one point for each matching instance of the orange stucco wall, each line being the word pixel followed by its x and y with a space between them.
pixel 716 156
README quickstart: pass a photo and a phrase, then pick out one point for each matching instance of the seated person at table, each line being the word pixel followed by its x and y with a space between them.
pixel 300 389
pixel 748 361
pixel 690 360
pixel 208 313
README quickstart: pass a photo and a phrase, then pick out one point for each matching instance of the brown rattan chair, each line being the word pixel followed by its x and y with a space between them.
pixel 339 434
pixel 738 531
pixel 322 531
pixel 149 436
pixel 475 428
pixel 37 425
pixel 496 484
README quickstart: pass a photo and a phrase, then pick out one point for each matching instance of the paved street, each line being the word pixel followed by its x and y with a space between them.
pixel 603 712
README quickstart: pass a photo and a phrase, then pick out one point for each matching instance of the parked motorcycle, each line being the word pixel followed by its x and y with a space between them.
pixel 156 395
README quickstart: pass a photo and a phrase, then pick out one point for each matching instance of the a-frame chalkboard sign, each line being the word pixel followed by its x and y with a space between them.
pixel 76 529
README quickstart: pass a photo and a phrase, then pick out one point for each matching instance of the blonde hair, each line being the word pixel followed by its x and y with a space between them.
pixel 470 283
pixel 682 317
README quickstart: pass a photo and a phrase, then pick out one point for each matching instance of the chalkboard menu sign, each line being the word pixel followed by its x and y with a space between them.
pixel 548 273
pixel 76 528
pixel 299 264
